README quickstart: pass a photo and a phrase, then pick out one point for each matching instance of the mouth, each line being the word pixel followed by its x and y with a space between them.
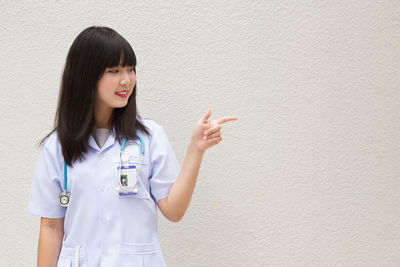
pixel 123 93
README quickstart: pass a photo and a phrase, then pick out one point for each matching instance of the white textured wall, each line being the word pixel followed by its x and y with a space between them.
pixel 308 175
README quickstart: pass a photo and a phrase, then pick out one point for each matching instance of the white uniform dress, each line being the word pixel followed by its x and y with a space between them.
pixel 111 230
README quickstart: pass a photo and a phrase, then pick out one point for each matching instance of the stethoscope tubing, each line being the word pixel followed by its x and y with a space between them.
pixel 120 164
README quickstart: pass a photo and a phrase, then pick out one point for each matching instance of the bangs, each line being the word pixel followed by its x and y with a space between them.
pixel 118 50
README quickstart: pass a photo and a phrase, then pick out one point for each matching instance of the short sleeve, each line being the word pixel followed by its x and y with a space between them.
pixel 164 165
pixel 46 185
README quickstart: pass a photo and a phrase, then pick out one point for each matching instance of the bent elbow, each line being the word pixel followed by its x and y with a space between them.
pixel 175 218
pixel 172 213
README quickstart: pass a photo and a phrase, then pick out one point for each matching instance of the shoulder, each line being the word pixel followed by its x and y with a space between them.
pixel 51 145
pixel 51 141
pixel 152 125
pixel 158 134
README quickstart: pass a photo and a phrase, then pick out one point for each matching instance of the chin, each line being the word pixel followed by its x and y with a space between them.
pixel 121 105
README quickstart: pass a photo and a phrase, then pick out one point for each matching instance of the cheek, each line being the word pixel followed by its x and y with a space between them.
pixel 133 80
pixel 107 81
pixel 106 85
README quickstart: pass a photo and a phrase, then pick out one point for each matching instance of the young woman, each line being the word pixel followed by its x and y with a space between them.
pixel 103 170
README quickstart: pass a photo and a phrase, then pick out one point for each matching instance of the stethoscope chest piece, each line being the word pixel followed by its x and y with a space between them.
pixel 63 198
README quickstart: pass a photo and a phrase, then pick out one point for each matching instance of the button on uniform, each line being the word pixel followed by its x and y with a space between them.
pixel 106 252
pixel 100 188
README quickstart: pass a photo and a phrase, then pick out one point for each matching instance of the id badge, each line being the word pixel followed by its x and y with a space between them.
pixel 128 180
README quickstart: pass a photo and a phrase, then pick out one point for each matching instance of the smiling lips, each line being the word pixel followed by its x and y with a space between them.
pixel 123 93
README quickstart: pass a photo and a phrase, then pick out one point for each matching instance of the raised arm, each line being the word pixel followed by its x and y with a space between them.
pixel 205 135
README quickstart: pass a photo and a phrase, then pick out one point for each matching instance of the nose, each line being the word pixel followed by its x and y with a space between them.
pixel 127 78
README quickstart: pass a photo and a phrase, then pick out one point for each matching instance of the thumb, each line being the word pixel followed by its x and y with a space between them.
pixel 206 116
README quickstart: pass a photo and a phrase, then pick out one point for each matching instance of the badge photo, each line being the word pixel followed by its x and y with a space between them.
pixel 128 179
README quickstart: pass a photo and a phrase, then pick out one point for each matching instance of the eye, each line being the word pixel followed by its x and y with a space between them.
pixel 132 69
pixel 113 71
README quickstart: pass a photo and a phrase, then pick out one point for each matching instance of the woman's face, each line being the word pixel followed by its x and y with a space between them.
pixel 115 87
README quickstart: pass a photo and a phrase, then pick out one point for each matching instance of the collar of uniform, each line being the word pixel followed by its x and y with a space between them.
pixel 109 142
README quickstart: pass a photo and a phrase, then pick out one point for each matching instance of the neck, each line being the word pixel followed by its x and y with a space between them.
pixel 103 118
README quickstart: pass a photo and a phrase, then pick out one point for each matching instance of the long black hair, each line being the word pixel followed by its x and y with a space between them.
pixel 94 49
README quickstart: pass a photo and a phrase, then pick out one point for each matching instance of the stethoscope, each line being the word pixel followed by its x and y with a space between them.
pixel 64 196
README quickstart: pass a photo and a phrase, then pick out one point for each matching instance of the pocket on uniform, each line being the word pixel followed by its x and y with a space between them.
pixel 138 248
pixel 143 254
pixel 143 188
pixel 67 257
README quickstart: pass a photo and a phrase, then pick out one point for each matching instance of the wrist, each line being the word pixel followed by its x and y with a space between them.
pixel 193 148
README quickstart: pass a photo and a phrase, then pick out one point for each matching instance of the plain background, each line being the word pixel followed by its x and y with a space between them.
pixel 308 175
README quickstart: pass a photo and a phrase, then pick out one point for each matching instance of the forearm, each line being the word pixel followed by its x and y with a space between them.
pixel 181 191
pixel 50 239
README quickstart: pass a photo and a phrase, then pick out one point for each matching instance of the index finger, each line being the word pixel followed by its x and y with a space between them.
pixel 226 119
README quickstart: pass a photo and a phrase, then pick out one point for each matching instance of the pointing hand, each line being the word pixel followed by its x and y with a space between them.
pixel 208 133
